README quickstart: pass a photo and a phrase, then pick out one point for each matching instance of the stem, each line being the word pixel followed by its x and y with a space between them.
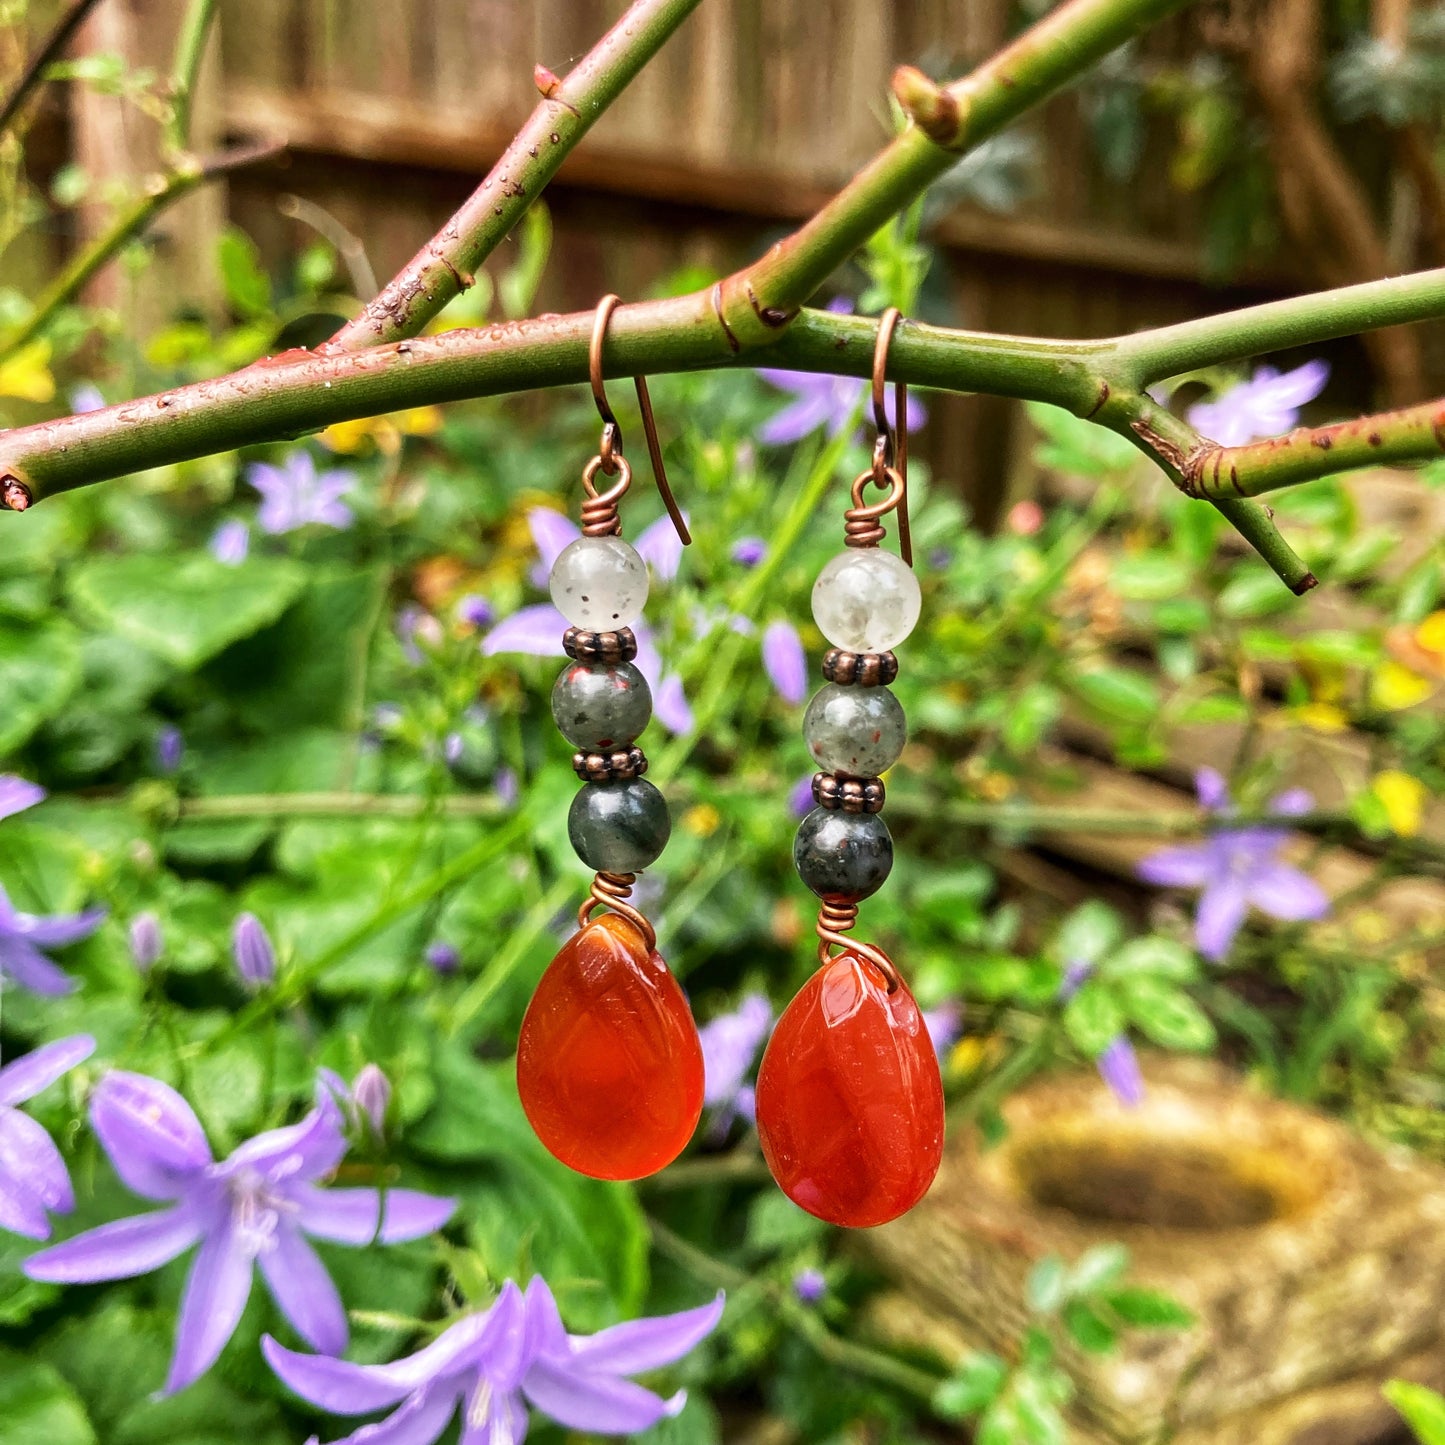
pixel 444 267
pixel 48 52
pixel 190 51
pixel 162 191
pixel 338 805
pixel 948 120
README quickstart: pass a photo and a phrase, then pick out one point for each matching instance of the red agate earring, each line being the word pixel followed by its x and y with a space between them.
pixel 849 1097
pixel 609 1066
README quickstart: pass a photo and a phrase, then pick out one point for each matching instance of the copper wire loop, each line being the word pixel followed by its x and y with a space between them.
pixel 862 525
pixel 890 451
pixel 611 891
pixel 836 917
pixel 609 455
pixel 599 511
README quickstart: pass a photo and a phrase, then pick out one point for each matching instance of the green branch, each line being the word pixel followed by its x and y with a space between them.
pixel 190 51
pixel 49 50
pixel 445 266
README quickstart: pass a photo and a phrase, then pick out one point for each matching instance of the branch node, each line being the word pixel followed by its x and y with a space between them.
pixel 716 297
pixel 14 494
pixel 932 108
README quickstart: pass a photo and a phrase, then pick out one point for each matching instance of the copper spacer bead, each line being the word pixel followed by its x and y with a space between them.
pixel 583 646
pixel 866 669
pixel 607 767
pixel 848 795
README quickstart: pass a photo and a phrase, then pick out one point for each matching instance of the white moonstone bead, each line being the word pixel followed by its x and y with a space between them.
pixel 866 600
pixel 599 583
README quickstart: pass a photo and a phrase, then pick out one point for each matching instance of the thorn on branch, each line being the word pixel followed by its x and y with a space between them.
pixel 549 83
pixel 931 107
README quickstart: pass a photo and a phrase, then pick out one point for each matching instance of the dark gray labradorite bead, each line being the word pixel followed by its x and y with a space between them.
pixel 601 707
pixel 619 827
pixel 843 855
pixel 856 731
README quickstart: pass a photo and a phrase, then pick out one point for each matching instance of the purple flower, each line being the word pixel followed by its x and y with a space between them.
pixel 809 1286
pixel 1119 1069
pixel 170 749
pixel 87 397
pixel 749 551
pixel 1075 973
pixel 492 1364
pixel 372 1094
pixel 730 1045
pixel 504 785
pixel 475 611
pixel 231 542
pixel 1236 867
pixel 535 630
pixel 671 707
pixel 823 400
pixel 659 545
pixel 785 661
pixel 255 1208
pixel 801 801
pixel 24 935
pixel 443 957
pixel 146 941
pixel 33 1178
pixel 293 495
pixel 252 949
pixel 1266 405
pixel 17 794
pixel 944 1024
pixel 453 746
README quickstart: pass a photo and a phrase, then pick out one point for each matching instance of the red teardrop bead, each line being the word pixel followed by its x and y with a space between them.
pixel 849 1100
pixel 609 1065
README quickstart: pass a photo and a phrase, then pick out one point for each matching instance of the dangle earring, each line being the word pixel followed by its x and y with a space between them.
pixel 609 1066
pixel 849 1096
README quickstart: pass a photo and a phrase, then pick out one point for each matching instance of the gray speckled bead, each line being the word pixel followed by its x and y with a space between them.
pixel 857 732
pixel 599 583
pixel 619 827
pixel 601 707
pixel 843 855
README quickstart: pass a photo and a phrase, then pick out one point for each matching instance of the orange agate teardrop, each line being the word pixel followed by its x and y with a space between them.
pixel 609 1065
pixel 849 1099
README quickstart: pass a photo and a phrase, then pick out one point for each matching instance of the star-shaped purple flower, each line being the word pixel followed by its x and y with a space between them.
pixel 24 935
pixel 1266 405
pixel 785 661
pixel 491 1365
pixel 254 1208
pixel 294 494
pixel 1237 867
pixel 33 1178
pixel 17 794
pixel 822 400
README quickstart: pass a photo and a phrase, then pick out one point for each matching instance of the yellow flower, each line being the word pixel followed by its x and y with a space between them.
pixel 1430 634
pixel 388 432
pixel 1395 687
pixel 701 820
pixel 1320 717
pixel 1403 799
pixel 27 373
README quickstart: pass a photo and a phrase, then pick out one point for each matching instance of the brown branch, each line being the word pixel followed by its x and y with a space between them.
pixel 49 51
pixel 445 266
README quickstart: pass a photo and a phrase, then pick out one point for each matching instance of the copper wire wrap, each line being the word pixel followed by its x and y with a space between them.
pixel 599 512
pixel 611 891
pixel 836 918
pixel 862 525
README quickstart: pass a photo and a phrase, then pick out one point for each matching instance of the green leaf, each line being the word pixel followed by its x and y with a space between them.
pixel 1098 1268
pixel 37 1405
pixel 1149 1309
pixel 1089 1329
pixel 1167 1015
pixel 517 288
pixel 1088 933
pixel 1081 448
pixel 1422 1408
pixel 1255 592
pixel 1118 693
pixel 1093 1020
pixel 1032 713
pixel 248 287
pixel 39 672
pixel 1150 577
pixel 1046 1284
pixel 188 608
pixel 972 1387
pixel 1162 957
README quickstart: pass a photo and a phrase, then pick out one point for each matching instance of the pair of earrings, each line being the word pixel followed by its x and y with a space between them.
pixel 609 1066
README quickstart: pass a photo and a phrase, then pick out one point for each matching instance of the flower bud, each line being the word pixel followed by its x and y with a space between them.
pixel 146 942
pixel 255 957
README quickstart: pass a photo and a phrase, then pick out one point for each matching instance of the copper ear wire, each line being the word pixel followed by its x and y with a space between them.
pixel 599 513
pixel 862 526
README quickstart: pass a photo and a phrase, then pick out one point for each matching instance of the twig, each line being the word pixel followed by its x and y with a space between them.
pixel 446 265
pixel 49 51
pixel 190 51
pixel 162 191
